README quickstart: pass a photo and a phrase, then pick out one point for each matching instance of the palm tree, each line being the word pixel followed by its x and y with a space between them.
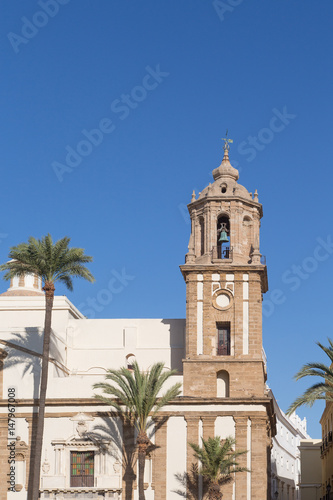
pixel 321 390
pixel 51 262
pixel 218 463
pixel 134 394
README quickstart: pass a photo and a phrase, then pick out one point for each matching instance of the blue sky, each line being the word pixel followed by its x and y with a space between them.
pixel 162 81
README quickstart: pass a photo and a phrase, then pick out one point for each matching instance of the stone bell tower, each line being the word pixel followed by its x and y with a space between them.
pixel 225 278
pixel 224 367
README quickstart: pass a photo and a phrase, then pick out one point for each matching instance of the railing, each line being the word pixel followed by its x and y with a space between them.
pixel 222 253
pixel 327 442
pixel 223 350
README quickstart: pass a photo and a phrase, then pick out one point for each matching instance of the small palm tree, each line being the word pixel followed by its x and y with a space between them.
pixel 134 394
pixel 321 390
pixel 218 463
pixel 51 262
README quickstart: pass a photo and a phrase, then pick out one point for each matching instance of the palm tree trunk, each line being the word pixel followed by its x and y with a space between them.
pixel 33 493
pixel 214 492
pixel 143 443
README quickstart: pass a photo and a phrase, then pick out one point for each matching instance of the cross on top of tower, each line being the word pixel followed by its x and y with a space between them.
pixel 227 141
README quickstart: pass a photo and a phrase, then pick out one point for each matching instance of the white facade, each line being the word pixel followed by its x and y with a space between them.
pixel 285 456
pixel 81 351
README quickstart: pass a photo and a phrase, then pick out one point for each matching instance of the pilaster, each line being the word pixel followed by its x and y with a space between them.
pixel 208 426
pixel 259 443
pixel 160 459
pixel 241 444
pixel 192 437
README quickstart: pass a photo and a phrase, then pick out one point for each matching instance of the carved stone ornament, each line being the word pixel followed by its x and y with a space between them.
pixel 116 467
pixel 82 423
pixel 21 449
pixel 81 428
pixel 46 466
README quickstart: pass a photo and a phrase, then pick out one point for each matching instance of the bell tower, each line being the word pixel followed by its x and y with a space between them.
pixel 225 277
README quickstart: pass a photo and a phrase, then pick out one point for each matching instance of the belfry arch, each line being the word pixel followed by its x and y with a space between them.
pixel 223 237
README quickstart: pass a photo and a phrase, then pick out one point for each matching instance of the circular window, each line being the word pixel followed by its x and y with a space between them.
pixel 222 299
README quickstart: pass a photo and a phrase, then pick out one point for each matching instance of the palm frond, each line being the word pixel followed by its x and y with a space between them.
pixel 320 391
pixel 135 393
pixel 218 459
pixel 50 261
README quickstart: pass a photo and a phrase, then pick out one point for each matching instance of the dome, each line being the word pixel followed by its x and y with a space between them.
pixel 225 181
pixel 226 170
pixel 24 286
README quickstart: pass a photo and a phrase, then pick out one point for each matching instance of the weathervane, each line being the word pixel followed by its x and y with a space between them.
pixel 227 141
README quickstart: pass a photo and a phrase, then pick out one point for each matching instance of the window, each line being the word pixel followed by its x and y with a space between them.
pixel 223 238
pixel 130 358
pixel 82 468
pixel 202 236
pixel 222 383
pixel 223 339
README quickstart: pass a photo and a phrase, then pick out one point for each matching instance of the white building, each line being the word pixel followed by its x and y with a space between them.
pixel 285 455
pixel 81 351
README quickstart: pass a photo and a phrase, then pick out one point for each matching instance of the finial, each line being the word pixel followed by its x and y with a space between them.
pixel 226 169
pixel 193 196
pixel 227 141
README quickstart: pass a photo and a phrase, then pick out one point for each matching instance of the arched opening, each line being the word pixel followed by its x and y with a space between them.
pixel 223 237
pixel 130 358
pixel 247 230
pixel 202 235
pixel 222 382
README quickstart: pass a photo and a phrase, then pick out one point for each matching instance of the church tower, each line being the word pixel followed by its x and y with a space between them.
pixel 226 277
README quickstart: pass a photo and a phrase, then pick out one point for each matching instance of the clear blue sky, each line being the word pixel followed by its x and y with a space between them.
pixel 163 81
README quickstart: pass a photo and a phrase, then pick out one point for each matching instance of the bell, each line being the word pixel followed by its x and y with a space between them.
pixel 223 237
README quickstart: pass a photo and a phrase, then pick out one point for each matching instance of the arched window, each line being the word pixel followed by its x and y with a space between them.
pixel 202 235
pixel 247 228
pixel 222 384
pixel 223 237
pixel 130 358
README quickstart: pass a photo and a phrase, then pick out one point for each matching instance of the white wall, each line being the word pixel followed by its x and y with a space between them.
pixel 176 454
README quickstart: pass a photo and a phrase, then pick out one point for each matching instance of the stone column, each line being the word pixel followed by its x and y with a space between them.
pixel 259 457
pixel 160 459
pixel 241 444
pixel 192 437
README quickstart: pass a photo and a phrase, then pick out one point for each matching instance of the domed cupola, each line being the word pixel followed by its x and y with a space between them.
pixel 225 220
pixel 226 170
pixel 27 285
